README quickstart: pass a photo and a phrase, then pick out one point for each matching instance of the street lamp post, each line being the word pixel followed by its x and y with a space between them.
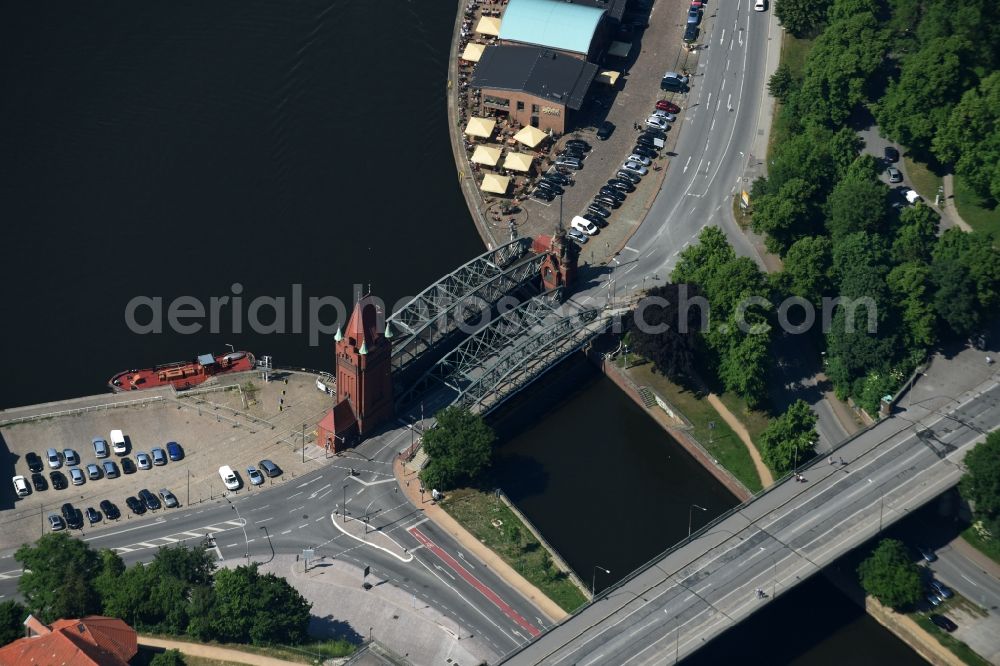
pixel 593 580
pixel 690 512
pixel 345 503
pixel 243 525
pixel 677 637
pixel 881 507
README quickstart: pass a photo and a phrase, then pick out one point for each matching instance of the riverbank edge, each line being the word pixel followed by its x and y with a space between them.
pixel 702 456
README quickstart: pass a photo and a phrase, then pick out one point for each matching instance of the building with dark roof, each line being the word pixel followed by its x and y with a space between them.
pixel 90 641
pixel 534 86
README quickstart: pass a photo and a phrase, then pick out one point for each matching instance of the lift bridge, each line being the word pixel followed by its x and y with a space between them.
pixel 483 332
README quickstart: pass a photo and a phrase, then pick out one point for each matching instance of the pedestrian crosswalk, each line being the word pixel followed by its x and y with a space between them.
pixel 161 542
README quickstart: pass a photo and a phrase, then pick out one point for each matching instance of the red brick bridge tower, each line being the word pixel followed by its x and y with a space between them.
pixel 364 379
pixel 561 256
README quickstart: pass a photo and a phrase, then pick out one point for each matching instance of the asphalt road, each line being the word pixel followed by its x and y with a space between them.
pixel 697 591
pixel 299 515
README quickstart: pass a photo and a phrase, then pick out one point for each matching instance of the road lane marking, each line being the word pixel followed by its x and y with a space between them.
pixel 295 495
pixel 298 508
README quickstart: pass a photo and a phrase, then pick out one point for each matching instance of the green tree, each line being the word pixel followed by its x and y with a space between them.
pixel 970 139
pixel 909 284
pixel 981 484
pixel 781 84
pixel 168 658
pixel 665 330
pixel 955 299
pixel 916 234
pixel 112 568
pixel 698 262
pixel 744 364
pixel 789 438
pixel 802 18
pixel 977 254
pixel 890 575
pixel 12 615
pixel 856 206
pixel 58 584
pixel 262 609
pixel 460 449
pixel 808 268
pixel 787 215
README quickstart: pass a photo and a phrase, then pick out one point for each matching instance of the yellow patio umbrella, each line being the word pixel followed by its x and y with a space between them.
pixel 609 77
pixel 488 25
pixel 486 155
pixel 495 183
pixel 517 162
pixel 473 52
pixel 480 127
pixel 530 136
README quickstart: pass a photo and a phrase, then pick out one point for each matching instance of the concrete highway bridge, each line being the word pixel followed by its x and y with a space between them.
pixel 701 587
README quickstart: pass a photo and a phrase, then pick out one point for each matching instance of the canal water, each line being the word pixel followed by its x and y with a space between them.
pixel 242 148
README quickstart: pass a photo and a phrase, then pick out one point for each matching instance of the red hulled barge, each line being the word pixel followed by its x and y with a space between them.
pixel 183 374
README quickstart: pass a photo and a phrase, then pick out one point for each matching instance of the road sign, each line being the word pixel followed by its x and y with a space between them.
pixel 368 570
pixel 744 198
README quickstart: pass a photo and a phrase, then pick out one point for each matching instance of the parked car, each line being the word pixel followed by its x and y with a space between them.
pixel 895 176
pixel 54 459
pixel 571 162
pixel 635 167
pixel 644 161
pixel 558 178
pixel 690 34
pixel 56 522
pixel 759 5
pixel 606 201
pixel 93 471
pixel 598 209
pixel 93 515
pixel 118 443
pixel 943 590
pixel 58 480
pixel 159 456
pixel 673 81
pixel 34 461
pixel 694 16
pixel 101 449
pixel 890 154
pixel 609 191
pixel 174 451
pixel 70 457
pixel 21 487
pixel 149 499
pixel 579 143
pixel 169 499
pixel 654 133
pixel 542 195
pixel 645 151
pixel 647 142
pixel 39 482
pixel 135 505
pixel 596 219
pixel 934 599
pixel 667 105
pixel 584 226
pixel 111 511
pixel 605 131
pixel 666 115
pixel 143 461
pixel 254 475
pixel 72 516
pixel 110 469
pixel 269 468
pixel 554 188
pixel 631 177
pixel 128 467
pixel 656 121
pixel 76 475
pixel 571 152
pixel 926 554
pixel 578 236
pixel 943 622
pixel 621 184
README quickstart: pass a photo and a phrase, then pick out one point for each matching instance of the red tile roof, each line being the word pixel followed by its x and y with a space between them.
pixel 90 641
pixel 363 324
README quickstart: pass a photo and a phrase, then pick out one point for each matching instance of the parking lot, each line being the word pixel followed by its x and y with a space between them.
pixel 657 49
pixel 215 428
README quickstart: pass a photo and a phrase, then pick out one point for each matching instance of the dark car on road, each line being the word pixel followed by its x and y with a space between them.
pixel 72 516
pixel 891 154
pixel 34 461
pixel 557 177
pixel 621 184
pixel 128 467
pixel 605 200
pixel 578 143
pixel 151 501
pixel 175 451
pixel 944 622
pixel 613 193
pixel 554 188
pixel 645 151
pixel 110 510
pixel 690 33
pixel 694 16
pixel 542 195
pixel 596 219
pixel 597 209
pixel 39 482
pixel 570 162
pixel 633 178
pixel 135 505
pixel 58 480
pixel 605 131
pixel 269 468
pixel 93 515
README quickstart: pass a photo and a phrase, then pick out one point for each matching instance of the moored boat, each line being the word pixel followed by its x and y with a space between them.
pixel 183 374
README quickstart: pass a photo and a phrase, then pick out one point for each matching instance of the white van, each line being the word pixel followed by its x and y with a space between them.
pixel 118 442
pixel 229 478
pixel 584 225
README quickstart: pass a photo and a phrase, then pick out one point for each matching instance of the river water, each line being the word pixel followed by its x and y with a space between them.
pixel 242 148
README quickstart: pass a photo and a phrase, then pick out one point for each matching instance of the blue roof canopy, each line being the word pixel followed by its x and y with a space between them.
pixel 558 25
pixel 206 359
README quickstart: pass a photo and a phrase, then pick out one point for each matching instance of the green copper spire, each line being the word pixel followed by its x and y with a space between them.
pixel 388 331
pixel 364 348
pixel 338 337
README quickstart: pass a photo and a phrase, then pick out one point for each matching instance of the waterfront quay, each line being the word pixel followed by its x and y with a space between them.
pixel 236 422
